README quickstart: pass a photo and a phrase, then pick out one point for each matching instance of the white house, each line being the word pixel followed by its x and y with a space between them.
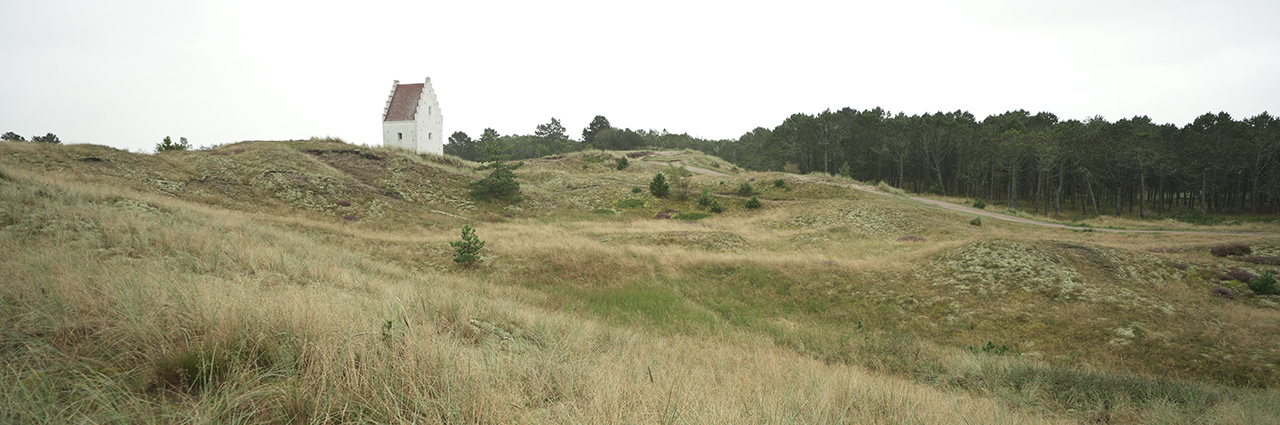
pixel 412 119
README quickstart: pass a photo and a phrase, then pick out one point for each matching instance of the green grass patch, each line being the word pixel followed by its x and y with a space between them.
pixel 630 203
pixel 692 216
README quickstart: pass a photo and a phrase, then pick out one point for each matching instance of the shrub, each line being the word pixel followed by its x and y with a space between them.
pixel 49 138
pixel 705 199
pixel 1223 293
pixel 468 249
pixel 979 204
pixel 791 167
pixel 779 183
pixel 168 145
pixel 1180 266
pixel 1238 274
pixel 636 190
pixel 716 207
pixel 658 186
pixel 662 215
pixel 344 203
pixel 679 181
pixel 630 203
pixel 499 184
pixel 845 171
pixel 746 189
pixel 936 189
pixel 12 137
pixel 977 221
pixel 1231 250
pixel 752 203
pixel 1264 285
pixel 622 163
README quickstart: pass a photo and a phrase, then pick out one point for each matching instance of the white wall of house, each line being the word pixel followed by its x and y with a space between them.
pixel 400 134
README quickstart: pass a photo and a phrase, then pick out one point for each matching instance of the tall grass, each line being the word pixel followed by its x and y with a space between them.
pixel 173 316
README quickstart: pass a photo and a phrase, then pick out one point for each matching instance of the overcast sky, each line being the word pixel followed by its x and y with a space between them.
pixel 128 73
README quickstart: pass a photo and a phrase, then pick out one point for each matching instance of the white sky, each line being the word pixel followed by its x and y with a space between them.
pixel 128 73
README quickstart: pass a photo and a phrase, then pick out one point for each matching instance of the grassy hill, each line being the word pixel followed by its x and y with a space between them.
pixel 312 281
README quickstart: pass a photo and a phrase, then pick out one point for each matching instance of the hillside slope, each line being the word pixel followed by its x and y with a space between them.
pixel 312 281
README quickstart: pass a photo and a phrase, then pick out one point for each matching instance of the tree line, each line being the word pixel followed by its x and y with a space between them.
pixel 1034 162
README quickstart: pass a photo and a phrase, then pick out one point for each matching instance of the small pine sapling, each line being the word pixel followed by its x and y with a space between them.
pixel 468 249
pixel 752 203
pixel 658 186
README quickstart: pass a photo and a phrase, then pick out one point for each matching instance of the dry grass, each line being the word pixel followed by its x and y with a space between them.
pixel 136 302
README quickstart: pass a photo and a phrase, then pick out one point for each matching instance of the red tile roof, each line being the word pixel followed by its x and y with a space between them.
pixel 404 104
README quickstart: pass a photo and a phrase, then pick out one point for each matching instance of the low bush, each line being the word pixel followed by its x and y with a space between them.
pixel 705 199
pixel 1180 266
pixel 500 184
pixel 716 207
pixel 1223 293
pixel 979 204
pixel 636 190
pixel 1230 250
pixel 779 183
pixel 344 203
pixel 622 163
pixel 936 189
pixel 1238 274
pixel 752 203
pixel 746 189
pixel 1264 285
pixel 977 221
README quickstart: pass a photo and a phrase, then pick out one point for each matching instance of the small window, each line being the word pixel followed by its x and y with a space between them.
pixel 400 136
pixel 428 136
